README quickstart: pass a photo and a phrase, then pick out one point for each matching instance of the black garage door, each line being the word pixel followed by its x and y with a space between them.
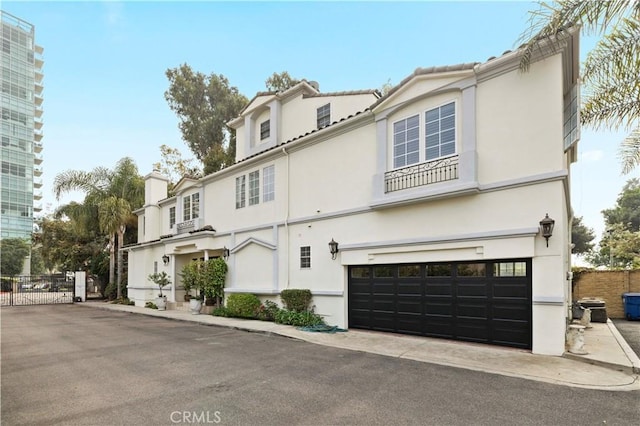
pixel 488 302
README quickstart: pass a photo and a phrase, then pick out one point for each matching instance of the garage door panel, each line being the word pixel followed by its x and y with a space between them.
pixel 384 304
pixel 488 301
pixel 409 288
pixel 409 323
pixel 411 305
pixel 472 310
pixel 438 289
pixel 512 334
pixel 360 303
pixel 443 306
pixel 383 321
pixel 472 330
pixel 386 288
pixel 472 289
pixel 504 311
pixel 360 319
pixel 438 327
pixel 511 290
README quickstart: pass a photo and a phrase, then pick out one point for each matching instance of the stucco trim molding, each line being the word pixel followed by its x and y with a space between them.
pixel 549 300
pixel 525 181
pixel 252 240
pixel 491 235
pixel 334 293
pixel 266 291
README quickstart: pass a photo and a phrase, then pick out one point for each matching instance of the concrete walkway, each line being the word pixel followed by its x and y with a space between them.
pixel 610 365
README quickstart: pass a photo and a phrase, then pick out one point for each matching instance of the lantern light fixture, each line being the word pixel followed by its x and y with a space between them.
pixel 333 249
pixel 546 225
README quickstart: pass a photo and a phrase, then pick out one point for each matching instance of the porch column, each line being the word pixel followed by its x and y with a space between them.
pixel 172 273
pixel 206 255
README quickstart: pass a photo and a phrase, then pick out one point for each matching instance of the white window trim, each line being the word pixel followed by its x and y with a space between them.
pixel 422 135
pixel 188 214
pixel 254 198
pixel 241 191
pixel 272 184
pixel 305 257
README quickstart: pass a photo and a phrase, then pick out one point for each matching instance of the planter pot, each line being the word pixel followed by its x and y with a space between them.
pixel 195 305
pixel 161 303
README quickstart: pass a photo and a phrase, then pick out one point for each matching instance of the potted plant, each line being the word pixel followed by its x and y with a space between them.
pixel 162 280
pixel 215 274
pixel 192 279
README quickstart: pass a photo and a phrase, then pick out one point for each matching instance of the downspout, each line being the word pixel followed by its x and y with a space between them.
pixel 286 220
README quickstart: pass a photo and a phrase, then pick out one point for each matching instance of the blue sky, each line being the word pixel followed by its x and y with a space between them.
pixel 105 63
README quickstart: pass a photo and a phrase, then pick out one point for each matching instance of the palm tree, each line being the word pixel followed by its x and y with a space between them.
pixel 111 195
pixel 610 73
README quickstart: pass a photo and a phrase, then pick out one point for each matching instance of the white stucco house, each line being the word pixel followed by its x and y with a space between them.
pixel 434 193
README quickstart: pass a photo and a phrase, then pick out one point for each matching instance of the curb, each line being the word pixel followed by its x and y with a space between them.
pixel 634 368
pixel 635 361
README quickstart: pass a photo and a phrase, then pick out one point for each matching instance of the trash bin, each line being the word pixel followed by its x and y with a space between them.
pixel 598 309
pixel 631 302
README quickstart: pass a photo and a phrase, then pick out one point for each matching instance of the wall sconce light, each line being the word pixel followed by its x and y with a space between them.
pixel 546 225
pixel 225 253
pixel 333 249
pixel 165 259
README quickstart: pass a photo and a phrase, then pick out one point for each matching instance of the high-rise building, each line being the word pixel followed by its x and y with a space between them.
pixel 21 132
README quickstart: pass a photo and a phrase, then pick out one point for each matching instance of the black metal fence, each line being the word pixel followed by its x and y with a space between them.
pixel 36 290
pixel 422 174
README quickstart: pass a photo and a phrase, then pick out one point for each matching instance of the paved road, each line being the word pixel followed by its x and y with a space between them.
pixel 74 365
pixel 630 330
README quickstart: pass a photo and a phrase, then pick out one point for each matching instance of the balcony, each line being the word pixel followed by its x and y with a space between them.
pixel 37 123
pixel 39 63
pixel 441 170
pixel 38 100
pixel 37 207
pixel 37 171
pixel 39 88
pixel 39 49
pixel 37 135
pixel 39 76
pixel 37 183
pixel 37 195
pixel 37 147
pixel 37 159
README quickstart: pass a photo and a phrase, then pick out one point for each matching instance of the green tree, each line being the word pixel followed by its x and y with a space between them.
pixel 619 248
pixel 174 166
pixel 581 236
pixel 13 252
pixel 620 243
pixel 611 98
pixel 204 104
pixel 279 82
pixel 110 196
pixel 627 209
pixel 37 262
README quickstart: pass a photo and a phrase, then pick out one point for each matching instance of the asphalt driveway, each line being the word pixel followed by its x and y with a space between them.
pixel 72 365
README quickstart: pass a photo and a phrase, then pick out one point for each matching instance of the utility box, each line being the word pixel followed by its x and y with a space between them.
pixel 631 302
pixel 598 309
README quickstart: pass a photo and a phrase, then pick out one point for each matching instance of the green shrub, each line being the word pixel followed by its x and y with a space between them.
pixel 220 312
pixel 268 311
pixel 150 305
pixel 111 291
pixel 298 319
pixel 296 300
pixel 243 305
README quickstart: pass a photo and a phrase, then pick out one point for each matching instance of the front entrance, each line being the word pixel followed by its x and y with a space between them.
pixel 487 302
